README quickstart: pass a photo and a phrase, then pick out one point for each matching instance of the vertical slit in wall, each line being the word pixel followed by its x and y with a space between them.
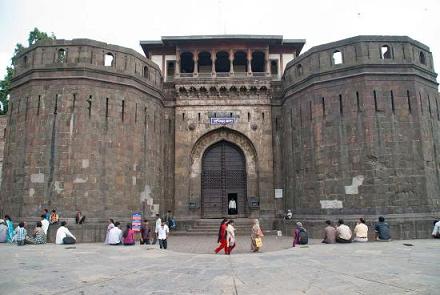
pixel 311 111
pixel 145 116
pixel 300 116
pixel 323 106
pixel 358 102
pixel 169 126
pixel 262 116
pixel 375 100
pixel 421 102
pixel 429 106
pixel 18 107
pixel 403 52
pixel 38 105
pixel 123 110
pixel 136 113
pixel 341 107
pixel 392 101
pixel 73 102
pixel 183 116
pixel 106 107
pixel 55 110
pixel 249 117
pixel 198 116
pixel 409 101
pixel 436 106
pixel 26 111
pixel 276 123
pixel 291 118
pixel 89 105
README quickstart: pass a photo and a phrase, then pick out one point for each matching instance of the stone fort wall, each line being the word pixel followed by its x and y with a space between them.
pixel 82 135
pixel 361 137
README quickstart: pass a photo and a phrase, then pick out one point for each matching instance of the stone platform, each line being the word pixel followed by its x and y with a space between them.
pixel 370 268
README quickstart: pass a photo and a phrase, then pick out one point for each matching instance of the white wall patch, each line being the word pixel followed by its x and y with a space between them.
pixel 80 180
pixel 59 186
pixel 331 204
pixel 85 163
pixel 31 192
pixel 133 179
pixel 37 178
pixel 353 189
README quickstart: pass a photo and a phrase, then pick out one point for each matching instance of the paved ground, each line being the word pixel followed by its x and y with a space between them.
pixel 372 268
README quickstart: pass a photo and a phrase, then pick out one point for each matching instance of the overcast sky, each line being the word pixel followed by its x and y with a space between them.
pixel 127 22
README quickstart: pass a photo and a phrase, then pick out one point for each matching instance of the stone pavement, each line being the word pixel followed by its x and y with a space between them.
pixel 371 268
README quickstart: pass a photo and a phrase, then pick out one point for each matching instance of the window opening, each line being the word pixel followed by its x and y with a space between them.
pixel 240 62
pixel 422 58
pixel 222 63
pixel 274 67
pixel 204 62
pixel 123 110
pixel 385 52
pixel 258 62
pixel 375 100
pixel 146 72
pixel 61 57
pixel 323 106
pixel 108 60
pixel 337 57
pixel 186 62
pixel 358 103
pixel 171 68
pixel 409 102
pixel 341 108
pixel 392 101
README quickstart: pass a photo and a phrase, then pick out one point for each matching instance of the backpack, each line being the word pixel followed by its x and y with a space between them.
pixel 303 237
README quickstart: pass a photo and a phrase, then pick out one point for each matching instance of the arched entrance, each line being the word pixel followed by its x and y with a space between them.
pixel 224 181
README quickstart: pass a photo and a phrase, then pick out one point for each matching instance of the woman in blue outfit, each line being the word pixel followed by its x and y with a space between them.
pixel 11 231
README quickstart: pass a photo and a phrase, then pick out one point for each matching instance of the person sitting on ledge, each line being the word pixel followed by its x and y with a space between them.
pixel 79 218
pixel 343 233
pixel 128 236
pixel 54 218
pixel 382 230
pixel 3 231
pixel 115 235
pixel 329 233
pixel 38 236
pixel 361 231
pixel 436 230
pixel 64 236
pixel 20 234
pixel 44 224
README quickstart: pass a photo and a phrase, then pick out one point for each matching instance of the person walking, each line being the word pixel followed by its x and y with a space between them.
pixel 111 224
pixel 156 228
pixel 11 231
pixel 162 235
pixel 230 237
pixel 222 237
pixel 256 236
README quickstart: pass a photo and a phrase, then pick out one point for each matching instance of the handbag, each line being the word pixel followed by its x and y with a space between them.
pixel 258 242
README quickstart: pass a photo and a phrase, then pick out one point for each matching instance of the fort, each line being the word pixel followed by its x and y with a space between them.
pixel 345 129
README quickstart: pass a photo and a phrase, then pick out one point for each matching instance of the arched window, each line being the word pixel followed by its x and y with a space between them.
pixel 385 52
pixel 108 60
pixel 222 64
pixel 258 62
pixel 61 56
pixel 240 62
pixel 25 60
pixel 186 62
pixel 337 57
pixel 422 58
pixel 146 72
pixel 205 62
pixel 299 70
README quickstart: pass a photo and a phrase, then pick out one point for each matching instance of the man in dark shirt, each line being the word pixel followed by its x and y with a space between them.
pixel 382 230
pixel 329 233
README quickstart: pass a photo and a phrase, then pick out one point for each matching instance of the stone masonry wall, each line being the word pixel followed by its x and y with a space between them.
pixel 82 135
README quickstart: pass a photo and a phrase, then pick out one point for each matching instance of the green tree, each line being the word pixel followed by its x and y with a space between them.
pixel 34 36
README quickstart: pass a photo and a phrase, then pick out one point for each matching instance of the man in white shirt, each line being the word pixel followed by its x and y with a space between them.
pixel 158 223
pixel 343 233
pixel 63 233
pixel 436 230
pixel 162 234
pixel 115 235
pixel 232 207
pixel 44 224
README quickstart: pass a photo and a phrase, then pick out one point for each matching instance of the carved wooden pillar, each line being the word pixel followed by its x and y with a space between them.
pixel 213 58
pixel 249 63
pixel 177 71
pixel 266 56
pixel 196 63
pixel 231 62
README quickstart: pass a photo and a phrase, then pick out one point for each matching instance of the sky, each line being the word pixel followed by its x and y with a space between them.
pixel 127 22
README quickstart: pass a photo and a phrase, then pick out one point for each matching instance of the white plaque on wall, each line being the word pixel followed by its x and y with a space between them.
pixel 278 193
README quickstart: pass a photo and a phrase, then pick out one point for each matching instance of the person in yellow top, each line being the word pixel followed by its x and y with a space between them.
pixel 361 231
pixel 54 218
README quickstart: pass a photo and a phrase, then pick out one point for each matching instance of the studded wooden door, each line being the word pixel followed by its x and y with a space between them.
pixel 223 173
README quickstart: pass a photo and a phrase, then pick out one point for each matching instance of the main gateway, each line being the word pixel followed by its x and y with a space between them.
pixel 349 128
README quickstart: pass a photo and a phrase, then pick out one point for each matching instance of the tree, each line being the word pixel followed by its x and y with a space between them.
pixel 34 36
